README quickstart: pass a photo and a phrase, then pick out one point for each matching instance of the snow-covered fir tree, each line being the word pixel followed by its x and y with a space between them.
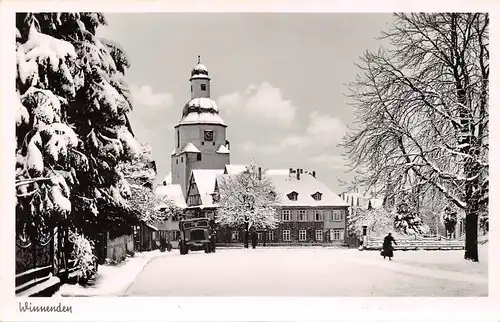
pixel 248 200
pixel 407 220
pixel 72 127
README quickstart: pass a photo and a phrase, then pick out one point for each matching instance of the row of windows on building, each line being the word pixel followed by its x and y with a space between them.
pixel 317 215
pixel 335 235
pixel 286 214
pixel 319 235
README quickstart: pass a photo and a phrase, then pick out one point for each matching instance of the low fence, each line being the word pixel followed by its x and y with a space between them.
pixel 295 244
pixel 424 243
pixel 43 263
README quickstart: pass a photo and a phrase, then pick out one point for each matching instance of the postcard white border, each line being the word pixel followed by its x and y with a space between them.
pixel 238 309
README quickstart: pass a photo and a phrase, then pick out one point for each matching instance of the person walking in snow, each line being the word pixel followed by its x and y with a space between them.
pixel 387 249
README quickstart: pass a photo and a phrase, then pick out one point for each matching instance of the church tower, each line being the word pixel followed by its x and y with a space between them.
pixel 200 136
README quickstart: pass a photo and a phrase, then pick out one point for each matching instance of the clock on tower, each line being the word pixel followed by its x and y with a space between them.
pixel 209 135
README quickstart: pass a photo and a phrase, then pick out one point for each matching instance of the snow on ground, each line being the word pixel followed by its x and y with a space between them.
pixel 313 272
pixel 442 260
pixel 112 280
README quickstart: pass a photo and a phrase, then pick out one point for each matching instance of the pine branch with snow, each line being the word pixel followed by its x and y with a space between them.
pixel 72 128
pixel 83 253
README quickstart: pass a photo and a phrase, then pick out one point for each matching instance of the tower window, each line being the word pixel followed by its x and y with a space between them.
pixel 198 157
pixel 182 159
pixel 191 88
pixel 203 87
pixel 176 161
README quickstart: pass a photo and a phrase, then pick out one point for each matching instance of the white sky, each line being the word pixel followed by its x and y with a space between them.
pixel 278 78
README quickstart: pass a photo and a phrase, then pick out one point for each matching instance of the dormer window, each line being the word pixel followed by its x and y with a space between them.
pixel 293 196
pixel 215 197
pixel 317 196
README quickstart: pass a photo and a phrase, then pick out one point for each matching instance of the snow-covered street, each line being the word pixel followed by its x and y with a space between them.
pixel 312 272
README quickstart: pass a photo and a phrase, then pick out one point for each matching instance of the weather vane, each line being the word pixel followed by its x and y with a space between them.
pixel 198 59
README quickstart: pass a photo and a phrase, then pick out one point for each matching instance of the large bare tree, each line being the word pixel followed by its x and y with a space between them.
pixel 421 106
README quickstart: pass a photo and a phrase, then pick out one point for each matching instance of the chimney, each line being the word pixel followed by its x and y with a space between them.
pixel 298 174
pixel 260 173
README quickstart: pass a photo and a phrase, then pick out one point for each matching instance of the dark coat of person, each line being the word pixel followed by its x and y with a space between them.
pixel 388 250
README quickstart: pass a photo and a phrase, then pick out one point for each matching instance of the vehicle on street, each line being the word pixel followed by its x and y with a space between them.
pixel 196 234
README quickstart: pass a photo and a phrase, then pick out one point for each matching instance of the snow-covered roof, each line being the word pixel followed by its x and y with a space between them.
pixel 200 104
pixel 305 187
pixel 168 179
pixel 234 168
pixel 173 152
pixel 362 200
pixel 200 76
pixel 284 184
pixel 200 67
pixel 277 171
pixel 222 149
pixel 205 181
pixel 190 148
pixel 172 192
pixel 196 118
pixel 199 70
pixel 356 199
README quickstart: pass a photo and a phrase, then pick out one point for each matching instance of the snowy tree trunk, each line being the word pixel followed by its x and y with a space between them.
pixel 471 252
pixel 245 238
pixel 471 215
pixel 471 170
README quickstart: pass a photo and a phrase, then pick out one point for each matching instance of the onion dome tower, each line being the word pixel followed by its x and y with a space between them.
pixel 200 135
